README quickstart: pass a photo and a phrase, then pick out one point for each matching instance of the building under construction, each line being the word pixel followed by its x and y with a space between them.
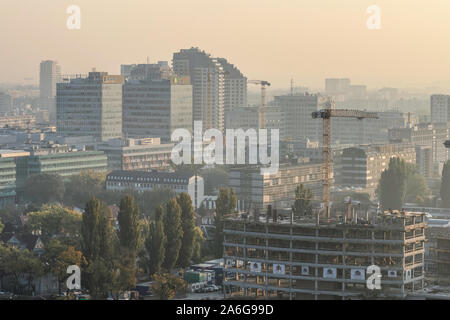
pixel 442 255
pixel 306 258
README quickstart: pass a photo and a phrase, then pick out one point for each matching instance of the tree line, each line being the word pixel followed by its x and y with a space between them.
pixel 110 254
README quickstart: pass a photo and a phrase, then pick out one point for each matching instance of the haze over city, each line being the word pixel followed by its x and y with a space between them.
pixel 256 150
pixel 278 40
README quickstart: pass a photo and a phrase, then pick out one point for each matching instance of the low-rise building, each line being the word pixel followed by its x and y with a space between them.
pixel 137 154
pixel 8 173
pixel 58 159
pixel 17 121
pixel 425 134
pixel 142 181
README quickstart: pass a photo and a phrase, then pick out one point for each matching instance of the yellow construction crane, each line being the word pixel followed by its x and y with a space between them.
pixel 326 114
pixel 262 110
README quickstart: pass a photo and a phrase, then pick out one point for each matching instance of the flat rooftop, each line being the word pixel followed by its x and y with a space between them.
pixel 6 153
pixel 380 219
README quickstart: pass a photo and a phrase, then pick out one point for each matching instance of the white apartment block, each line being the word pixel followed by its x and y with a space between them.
pixel 141 181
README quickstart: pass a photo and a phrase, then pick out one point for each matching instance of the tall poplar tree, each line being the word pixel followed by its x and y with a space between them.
pixel 129 234
pixel 174 233
pixel 156 242
pixel 188 226
pixel 97 248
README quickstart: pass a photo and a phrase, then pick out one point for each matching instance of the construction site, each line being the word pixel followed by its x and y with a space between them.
pixel 325 255
pixel 321 259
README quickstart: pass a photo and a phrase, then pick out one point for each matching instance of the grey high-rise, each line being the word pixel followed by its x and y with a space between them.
pixel 155 108
pixel 49 76
pixel 217 85
pixel 91 106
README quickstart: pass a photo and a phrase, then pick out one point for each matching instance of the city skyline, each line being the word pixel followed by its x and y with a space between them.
pixel 259 33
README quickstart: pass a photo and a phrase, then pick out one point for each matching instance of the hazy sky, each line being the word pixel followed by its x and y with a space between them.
pixel 274 40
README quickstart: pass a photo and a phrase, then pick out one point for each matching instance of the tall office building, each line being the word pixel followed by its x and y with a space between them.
pixel 334 86
pixel 296 119
pixel 49 76
pixel 440 104
pixel 155 108
pixel 215 83
pixel 5 103
pixel 91 106
pixel 343 91
pixel 235 86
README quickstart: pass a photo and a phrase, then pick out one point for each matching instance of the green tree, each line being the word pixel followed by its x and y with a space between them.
pixel 188 226
pixel 391 190
pixel 225 204
pixel 156 242
pixel 19 264
pixel 233 200
pixel 44 188
pixel 417 190
pixel 399 183
pixel 1 226
pixel 129 235
pixel 199 241
pixel 445 185
pixel 166 286
pixel 174 233
pixel 303 201
pixel 79 188
pixel 9 216
pixel 55 220
pixel 129 228
pixel 58 257
pixel 97 248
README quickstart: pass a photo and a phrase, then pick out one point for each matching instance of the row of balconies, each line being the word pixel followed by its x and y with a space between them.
pixel 351 252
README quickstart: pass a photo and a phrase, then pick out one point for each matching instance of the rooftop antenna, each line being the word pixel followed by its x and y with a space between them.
pixel 292 87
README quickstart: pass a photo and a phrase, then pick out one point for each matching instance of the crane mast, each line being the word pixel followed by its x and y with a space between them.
pixel 262 110
pixel 326 114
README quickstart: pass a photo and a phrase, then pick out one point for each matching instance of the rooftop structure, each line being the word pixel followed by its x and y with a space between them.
pixel 137 154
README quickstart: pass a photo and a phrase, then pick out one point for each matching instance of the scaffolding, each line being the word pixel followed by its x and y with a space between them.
pixel 277 257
